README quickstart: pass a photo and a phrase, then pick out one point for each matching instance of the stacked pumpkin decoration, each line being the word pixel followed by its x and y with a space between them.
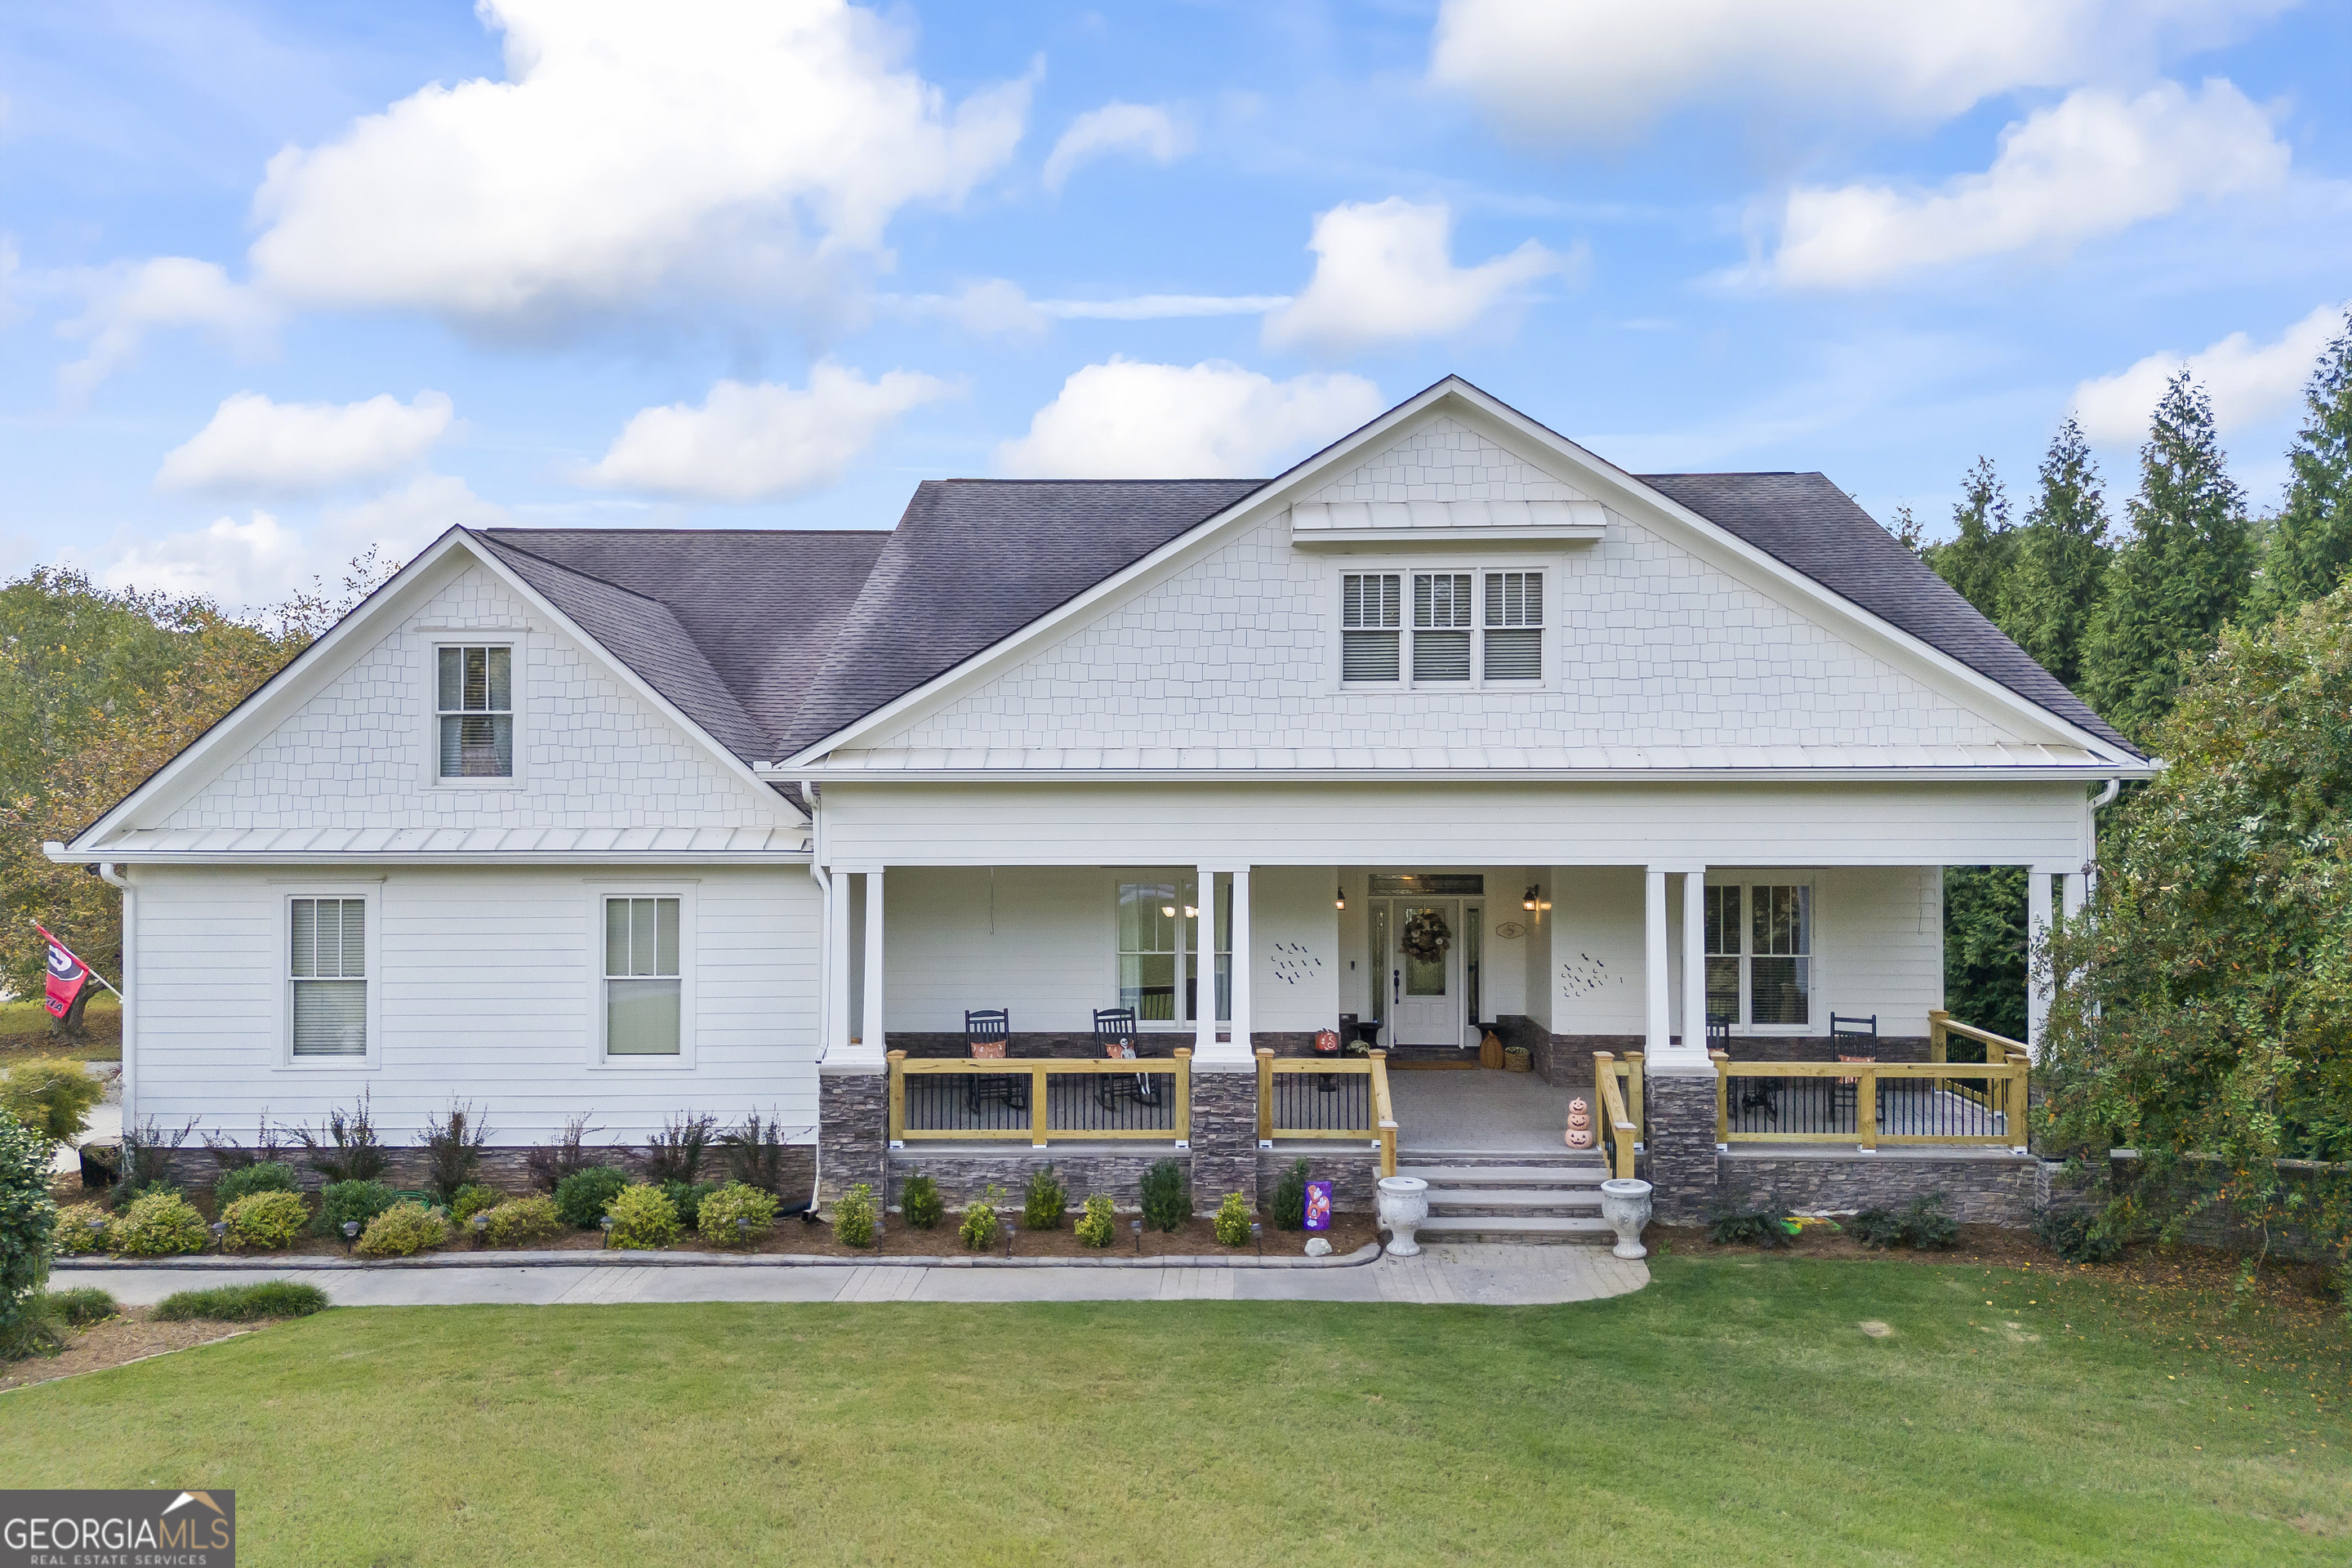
pixel 1580 1124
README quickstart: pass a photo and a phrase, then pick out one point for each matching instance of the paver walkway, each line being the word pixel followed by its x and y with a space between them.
pixel 1441 1276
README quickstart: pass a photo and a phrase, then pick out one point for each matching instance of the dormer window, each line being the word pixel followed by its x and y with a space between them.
pixel 1468 628
pixel 476 711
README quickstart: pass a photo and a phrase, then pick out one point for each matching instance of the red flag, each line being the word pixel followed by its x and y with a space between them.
pixel 67 975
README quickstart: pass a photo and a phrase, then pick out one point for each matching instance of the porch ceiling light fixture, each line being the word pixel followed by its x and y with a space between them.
pixel 1534 897
pixel 1339 899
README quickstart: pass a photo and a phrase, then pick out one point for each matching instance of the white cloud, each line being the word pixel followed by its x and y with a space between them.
pixel 129 300
pixel 735 145
pixel 753 443
pixel 1601 71
pixel 992 308
pixel 1139 128
pixel 2093 164
pixel 2249 383
pixel 1128 420
pixel 1162 307
pixel 292 448
pixel 403 521
pixel 239 563
pixel 1384 272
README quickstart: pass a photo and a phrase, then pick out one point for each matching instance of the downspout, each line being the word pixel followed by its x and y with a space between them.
pixel 2105 797
pixel 130 978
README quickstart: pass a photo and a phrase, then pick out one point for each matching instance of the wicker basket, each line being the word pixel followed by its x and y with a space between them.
pixel 1516 1060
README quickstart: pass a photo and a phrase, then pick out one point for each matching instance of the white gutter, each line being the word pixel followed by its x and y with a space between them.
pixel 129 979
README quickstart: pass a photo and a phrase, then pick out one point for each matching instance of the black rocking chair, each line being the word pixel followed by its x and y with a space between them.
pixel 986 1026
pixel 1844 1032
pixel 1115 1038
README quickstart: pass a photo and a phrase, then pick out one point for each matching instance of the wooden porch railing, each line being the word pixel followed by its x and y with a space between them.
pixel 1617 1099
pixel 1282 1095
pixel 1040 1071
pixel 1876 1104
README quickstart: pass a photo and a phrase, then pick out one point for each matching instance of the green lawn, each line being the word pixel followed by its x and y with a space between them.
pixel 1735 1412
pixel 26 1031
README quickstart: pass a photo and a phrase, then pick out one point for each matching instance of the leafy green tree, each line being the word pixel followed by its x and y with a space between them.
pixel 2181 575
pixel 2061 561
pixel 1976 559
pixel 2205 1006
pixel 1984 947
pixel 2310 546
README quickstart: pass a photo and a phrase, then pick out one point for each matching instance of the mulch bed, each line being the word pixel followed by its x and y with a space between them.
pixel 1991 1244
pixel 128 1338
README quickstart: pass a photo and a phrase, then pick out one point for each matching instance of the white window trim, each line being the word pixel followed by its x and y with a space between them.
pixel 1112 881
pixel 1817 1021
pixel 372 895
pixel 511 638
pixel 688 963
pixel 1354 565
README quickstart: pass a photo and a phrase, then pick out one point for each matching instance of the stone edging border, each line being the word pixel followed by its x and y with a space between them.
pixel 1368 1252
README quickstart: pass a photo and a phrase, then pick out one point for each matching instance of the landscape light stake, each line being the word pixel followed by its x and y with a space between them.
pixel 1257 1235
pixel 481 1228
pixel 1138 1238
pixel 350 1233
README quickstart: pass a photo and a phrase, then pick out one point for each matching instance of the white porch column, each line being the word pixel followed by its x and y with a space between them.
pixel 836 969
pixel 2074 888
pixel 1694 961
pixel 2037 935
pixel 1205 987
pixel 870 1024
pixel 1241 985
pixel 1657 990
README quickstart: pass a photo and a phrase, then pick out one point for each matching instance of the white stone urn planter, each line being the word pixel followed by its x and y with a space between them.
pixel 1625 1208
pixel 1405 1203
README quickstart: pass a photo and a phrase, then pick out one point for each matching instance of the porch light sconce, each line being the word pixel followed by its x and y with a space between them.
pixel 1535 896
pixel 1168 910
pixel 1339 899
pixel 1192 911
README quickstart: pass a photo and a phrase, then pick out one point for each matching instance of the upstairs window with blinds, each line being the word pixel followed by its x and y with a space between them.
pixel 1371 625
pixel 642 981
pixel 1514 626
pixel 1441 626
pixel 477 712
pixel 329 970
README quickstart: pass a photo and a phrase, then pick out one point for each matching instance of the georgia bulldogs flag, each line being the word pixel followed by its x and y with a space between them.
pixel 67 975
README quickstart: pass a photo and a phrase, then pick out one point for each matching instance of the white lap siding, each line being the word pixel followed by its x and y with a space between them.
pixel 484 990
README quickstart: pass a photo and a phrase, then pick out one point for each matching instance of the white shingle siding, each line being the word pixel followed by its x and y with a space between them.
pixel 1652 647
pixel 590 753
pixel 1446 461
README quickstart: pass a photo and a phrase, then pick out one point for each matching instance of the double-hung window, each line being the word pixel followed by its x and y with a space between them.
pixel 1160 952
pixel 476 711
pixel 644 999
pixel 1760 969
pixel 1462 628
pixel 327 970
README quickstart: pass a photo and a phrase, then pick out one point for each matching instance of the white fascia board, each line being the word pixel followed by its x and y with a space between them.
pixel 316 665
pixel 2087 773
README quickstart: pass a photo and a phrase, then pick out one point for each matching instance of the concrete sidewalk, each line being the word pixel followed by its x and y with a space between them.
pixel 1441 1276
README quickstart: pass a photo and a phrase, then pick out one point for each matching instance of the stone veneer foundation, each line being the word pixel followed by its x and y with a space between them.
pixel 853 1109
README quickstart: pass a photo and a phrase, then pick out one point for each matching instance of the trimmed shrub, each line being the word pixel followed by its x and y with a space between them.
pixel 518 1222
pixel 1750 1228
pixel 642 1218
pixel 160 1225
pixel 1290 1198
pixel 979 1230
pixel 1096 1226
pixel 580 1198
pixel 1167 1196
pixel 264 1222
pixel 263 1176
pixel 50 1097
pixel 1232 1221
pixel 920 1202
pixel 28 1221
pixel 453 1146
pixel 403 1230
pixel 244 1303
pixel 733 1202
pixel 80 1307
pixel 2076 1234
pixel 471 1200
pixel 346 1148
pixel 75 1234
pixel 1043 1203
pixel 853 1216
pixel 342 1201
pixel 686 1197
pixel 1926 1227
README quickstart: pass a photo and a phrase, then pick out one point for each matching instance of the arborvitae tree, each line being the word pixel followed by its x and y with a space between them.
pixel 1976 560
pixel 2311 545
pixel 2181 575
pixel 2062 559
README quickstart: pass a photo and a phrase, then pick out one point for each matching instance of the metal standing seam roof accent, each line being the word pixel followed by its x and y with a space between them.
pixel 554 843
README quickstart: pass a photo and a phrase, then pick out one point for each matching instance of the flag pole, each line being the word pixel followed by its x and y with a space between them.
pixel 93 974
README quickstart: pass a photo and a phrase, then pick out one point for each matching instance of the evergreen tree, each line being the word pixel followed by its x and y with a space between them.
pixel 2181 575
pixel 2311 545
pixel 1976 560
pixel 2062 559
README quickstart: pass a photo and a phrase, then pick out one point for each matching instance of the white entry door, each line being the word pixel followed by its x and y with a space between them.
pixel 1425 1001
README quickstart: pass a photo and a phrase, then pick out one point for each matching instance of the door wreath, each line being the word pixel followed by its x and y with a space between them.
pixel 1426 936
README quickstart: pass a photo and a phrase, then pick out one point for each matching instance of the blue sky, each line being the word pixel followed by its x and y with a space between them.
pixel 280 281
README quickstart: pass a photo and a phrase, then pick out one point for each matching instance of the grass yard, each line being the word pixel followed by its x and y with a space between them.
pixel 25 1030
pixel 1738 1410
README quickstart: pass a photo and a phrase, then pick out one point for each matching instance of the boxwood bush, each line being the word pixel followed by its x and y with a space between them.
pixel 264 1222
pixel 1234 1221
pixel 244 1303
pixel 1167 1196
pixel 979 1230
pixel 721 1210
pixel 158 1225
pixel 261 1176
pixel 581 1197
pixel 403 1230
pixel 76 1233
pixel 1096 1226
pixel 920 1202
pixel 342 1201
pixel 643 1216
pixel 1041 1206
pixel 471 1200
pixel 518 1222
pixel 853 1217
pixel 686 1198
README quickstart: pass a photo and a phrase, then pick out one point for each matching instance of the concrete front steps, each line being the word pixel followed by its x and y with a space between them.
pixel 1488 1196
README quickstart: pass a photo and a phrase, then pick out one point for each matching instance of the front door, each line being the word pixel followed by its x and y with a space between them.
pixel 1424 972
